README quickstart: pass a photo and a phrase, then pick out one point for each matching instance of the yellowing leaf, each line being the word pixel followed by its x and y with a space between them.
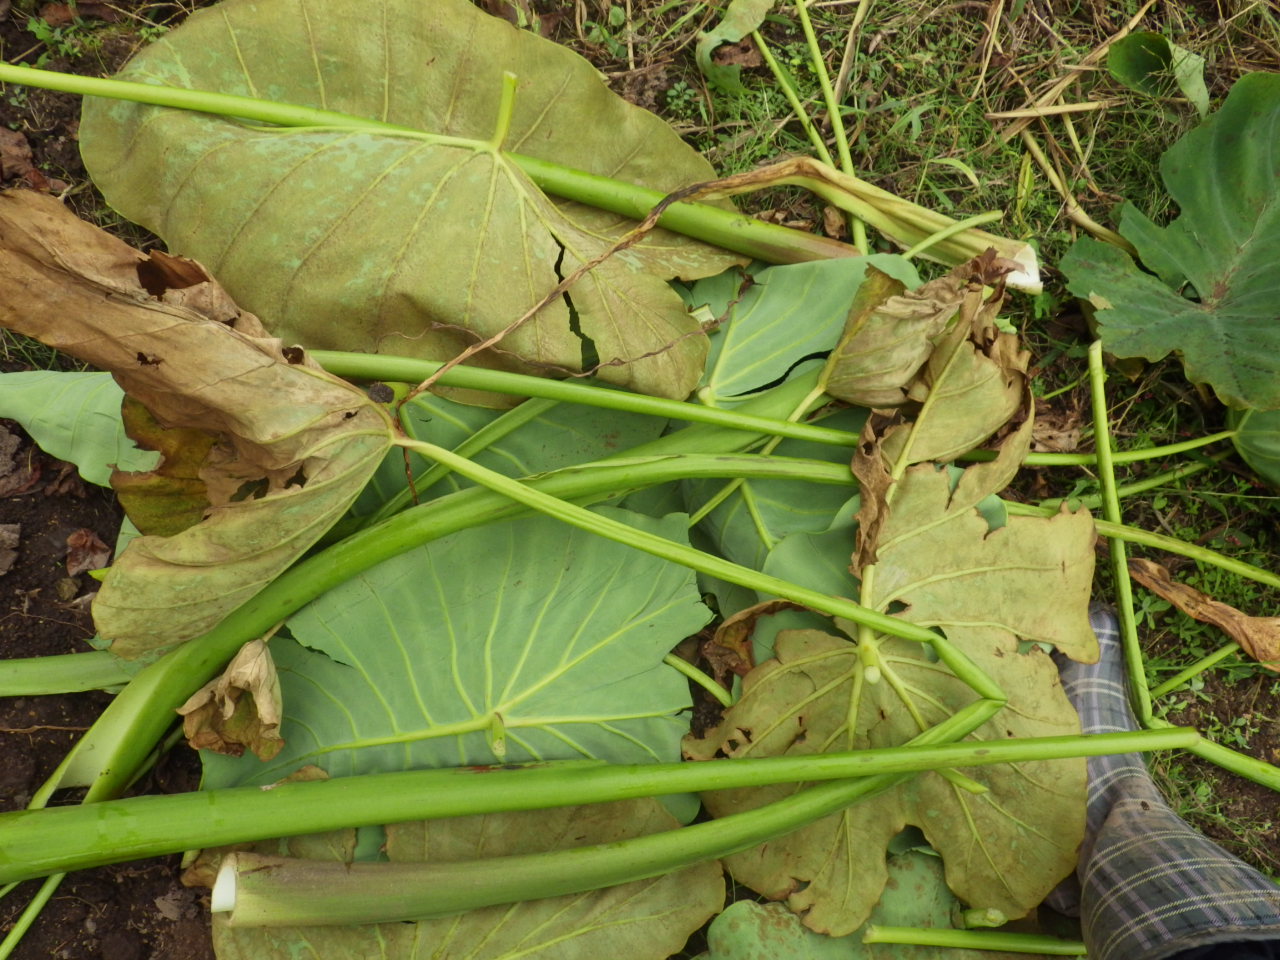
pixel 357 239
pixel 295 444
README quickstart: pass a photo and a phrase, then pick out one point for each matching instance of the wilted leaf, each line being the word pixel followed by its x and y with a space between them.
pixel 359 240
pixel 172 497
pixel 1259 637
pixel 643 920
pixel 1218 256
pixel 85 552
pixel 545 638
pixel 295 444
pixel 74 417
pixel 241 708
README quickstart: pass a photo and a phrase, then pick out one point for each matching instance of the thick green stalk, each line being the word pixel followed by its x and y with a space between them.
pixel 69 673
pixel 1242 765
pixel 37 842
pixel 118 743
pixel 1119 559
pixel 976 940
pixel 723 227
pixel 362 366
pixel 289 894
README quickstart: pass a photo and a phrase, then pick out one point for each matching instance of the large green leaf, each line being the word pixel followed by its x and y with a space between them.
pixel 394 243
pixel 1257 439
pixel 1218 256
pixel 528 632
pixel 643 920
pixel 74 417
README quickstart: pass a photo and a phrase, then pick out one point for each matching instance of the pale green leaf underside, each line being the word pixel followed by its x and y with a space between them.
pixel 74 417
pixel 643 920
pixel 559 633
pixel 383 243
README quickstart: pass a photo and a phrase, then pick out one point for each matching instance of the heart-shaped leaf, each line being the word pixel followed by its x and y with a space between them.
pixel 419 245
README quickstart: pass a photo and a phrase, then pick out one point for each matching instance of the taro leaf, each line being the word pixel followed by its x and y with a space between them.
pixel 928 554
pixel 643 920
pixel 295 443
pixel 359 240
pixel 759 513
pixel 566 434
pixel 740 18
pixel 1218 256
pixel 783 315
pixel 1152 64
pixel 1257 439
pixel 1259 637
pixel 526 634
pixel 172 497
pixel 74 417
pixel 915 896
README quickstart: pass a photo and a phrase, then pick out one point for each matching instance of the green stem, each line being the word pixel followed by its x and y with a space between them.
pixel 976 940
pixel 1141 486
pixel 415 890
pixel 1197 668
pixel 951 230
pixel 68 673
pixel 506 107
pixel 722 227
pixel 1119 560
pixel 824 82
pixel 1117 456
pixel 361 366
pixel 37 842
pixel 1158 541
pixel 783 81
pixel 669 550
pixel 29 914
pixel 1242 765
pixel 700 678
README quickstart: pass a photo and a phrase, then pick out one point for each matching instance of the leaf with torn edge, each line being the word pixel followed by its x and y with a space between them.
pixel 1259 637
pixel 405 240
pixel 929 554
pixel 295 444
pixel 241 708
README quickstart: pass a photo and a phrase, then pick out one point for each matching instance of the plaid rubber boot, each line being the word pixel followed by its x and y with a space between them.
pixel 1151 887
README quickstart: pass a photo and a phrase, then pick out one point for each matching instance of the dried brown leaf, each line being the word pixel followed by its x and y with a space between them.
pixel 86 552
pixel 239 709
pixel 1259 637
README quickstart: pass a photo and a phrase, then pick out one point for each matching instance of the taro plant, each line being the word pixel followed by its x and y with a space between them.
pixel 451 697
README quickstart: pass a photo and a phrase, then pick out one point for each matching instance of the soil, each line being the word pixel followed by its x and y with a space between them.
pixel 140 910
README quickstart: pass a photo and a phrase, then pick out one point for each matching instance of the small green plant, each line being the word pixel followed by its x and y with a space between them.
pixel 69 42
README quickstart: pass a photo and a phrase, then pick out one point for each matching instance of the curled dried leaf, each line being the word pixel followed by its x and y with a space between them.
pixel 239 709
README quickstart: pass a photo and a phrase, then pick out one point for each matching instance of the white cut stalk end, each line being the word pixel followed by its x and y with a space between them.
pixel 223 898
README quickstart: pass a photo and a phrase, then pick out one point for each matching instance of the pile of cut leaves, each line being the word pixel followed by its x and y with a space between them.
pixel 488 578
